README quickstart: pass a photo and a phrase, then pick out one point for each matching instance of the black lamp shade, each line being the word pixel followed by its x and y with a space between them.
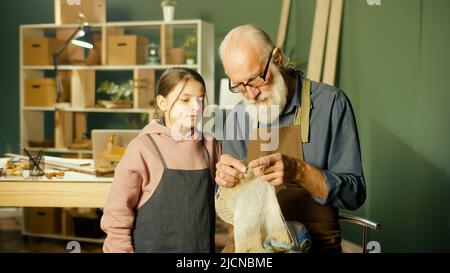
pixel 83 38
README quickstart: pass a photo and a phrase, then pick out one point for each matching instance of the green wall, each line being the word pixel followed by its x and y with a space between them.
pixel 394 63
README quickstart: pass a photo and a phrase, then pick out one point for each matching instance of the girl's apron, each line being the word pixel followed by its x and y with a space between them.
pixel 179 216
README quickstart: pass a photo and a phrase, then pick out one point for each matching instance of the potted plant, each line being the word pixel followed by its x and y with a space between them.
pixel 121 95
pixel 190 48
pixel 168 9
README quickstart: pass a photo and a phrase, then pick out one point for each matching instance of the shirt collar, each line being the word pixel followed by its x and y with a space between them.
pixel 296 99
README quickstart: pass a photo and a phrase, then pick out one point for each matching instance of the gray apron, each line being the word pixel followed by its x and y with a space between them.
pixel 179 216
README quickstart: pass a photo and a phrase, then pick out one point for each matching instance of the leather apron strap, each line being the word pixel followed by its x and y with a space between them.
pixel 302 114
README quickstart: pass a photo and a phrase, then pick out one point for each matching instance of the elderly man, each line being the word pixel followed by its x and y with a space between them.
pixel 328 173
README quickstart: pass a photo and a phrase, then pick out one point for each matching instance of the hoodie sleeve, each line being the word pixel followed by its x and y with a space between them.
pixel 119 212
pixel 214 149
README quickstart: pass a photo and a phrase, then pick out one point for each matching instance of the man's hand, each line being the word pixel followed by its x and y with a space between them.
pixel 229 171
pixel 277 169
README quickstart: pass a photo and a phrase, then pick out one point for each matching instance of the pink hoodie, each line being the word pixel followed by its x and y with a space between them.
pixel 139 173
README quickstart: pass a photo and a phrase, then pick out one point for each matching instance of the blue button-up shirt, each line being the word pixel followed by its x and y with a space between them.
pixel 333 144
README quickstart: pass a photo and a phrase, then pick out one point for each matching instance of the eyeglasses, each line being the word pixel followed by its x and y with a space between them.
pixel 253 82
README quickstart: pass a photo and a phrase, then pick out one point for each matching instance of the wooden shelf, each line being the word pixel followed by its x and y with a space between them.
pixel 178 23
pixel 108 67
pixel 38 108
pixel 55 26
pixel 64 237
pixel 90 109
pixel 33 119
pixel 60 150
pixel 104 110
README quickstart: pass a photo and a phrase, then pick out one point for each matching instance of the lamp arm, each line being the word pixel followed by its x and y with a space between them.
pixel 59 87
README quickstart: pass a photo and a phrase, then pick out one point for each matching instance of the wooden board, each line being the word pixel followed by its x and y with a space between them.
pixel 316 52
pixel 334 31
pixel 166 43
pixel 83 88
pixel 54 194
pixel 144 88
pixel 63 129
pixel 284 20
pixel 80 126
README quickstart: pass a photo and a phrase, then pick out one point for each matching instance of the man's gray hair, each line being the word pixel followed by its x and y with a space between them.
pixel 247 34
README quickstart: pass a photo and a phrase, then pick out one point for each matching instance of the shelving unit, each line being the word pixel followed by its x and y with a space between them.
pixel 65 231
pixel 108 67
pixel 32 118
pixel 88 109
pixel 70 118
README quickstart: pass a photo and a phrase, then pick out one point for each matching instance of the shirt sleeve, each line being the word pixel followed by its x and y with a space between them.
pixel 344 175
pixel 119 213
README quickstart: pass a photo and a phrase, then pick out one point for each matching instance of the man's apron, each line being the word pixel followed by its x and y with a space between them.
pixel 180 215
pixel 295 202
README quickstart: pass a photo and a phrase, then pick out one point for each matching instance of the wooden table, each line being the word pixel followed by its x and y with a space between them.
pixel 74 190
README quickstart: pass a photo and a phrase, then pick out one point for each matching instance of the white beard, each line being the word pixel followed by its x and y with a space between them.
pixel 270 104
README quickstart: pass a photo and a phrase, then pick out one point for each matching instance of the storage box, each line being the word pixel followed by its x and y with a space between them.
pixel 39 50
pixel 126 49
pixel 66 11
pixel 40 92
pixel 42 220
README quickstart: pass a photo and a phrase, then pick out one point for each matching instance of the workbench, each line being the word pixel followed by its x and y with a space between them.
pixel 74 190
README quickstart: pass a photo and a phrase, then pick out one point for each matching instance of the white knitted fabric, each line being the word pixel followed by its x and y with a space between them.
pixel 252 208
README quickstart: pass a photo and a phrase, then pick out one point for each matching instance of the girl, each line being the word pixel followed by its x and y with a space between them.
pixel 162 196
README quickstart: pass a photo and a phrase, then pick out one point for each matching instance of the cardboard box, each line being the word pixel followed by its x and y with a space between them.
pixel 39 50
pixel 42 220
pixel 40 92
pixel 126 49
pixel 66 11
